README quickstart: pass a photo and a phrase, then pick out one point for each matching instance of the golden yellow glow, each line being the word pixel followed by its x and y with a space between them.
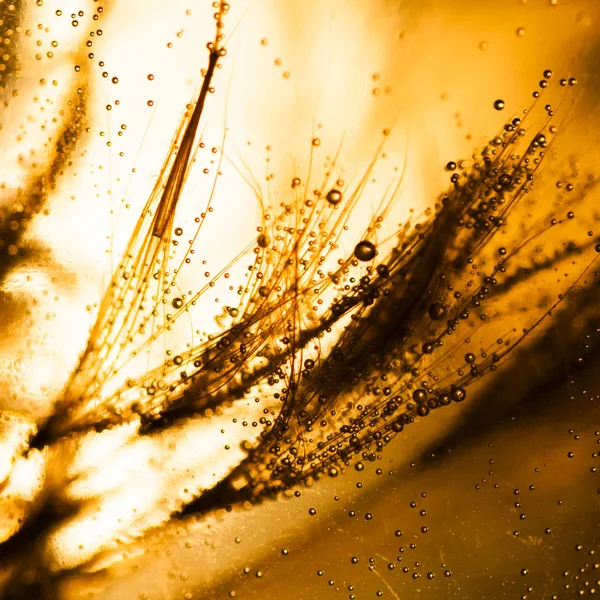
pixel 372 97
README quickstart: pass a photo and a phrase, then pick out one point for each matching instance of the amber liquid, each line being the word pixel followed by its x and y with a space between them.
pixel 307 313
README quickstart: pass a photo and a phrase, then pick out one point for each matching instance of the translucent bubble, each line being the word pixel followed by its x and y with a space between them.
pixel 437 311
pixel 263 241
pixel 334 196
pixel 365 251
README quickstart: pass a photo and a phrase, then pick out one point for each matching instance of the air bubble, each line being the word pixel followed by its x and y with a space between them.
pixel 365 251
pixel 334 197
pixel 437 311
pixel 263 240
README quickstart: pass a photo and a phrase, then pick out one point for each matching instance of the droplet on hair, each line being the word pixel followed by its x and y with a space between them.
pixel 334 196
pixel 365 251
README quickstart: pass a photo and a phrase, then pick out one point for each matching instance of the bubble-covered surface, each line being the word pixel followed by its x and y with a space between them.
pixel 296 306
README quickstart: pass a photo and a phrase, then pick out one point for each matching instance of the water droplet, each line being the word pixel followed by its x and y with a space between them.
pixel 263 240
pixel 365 251
pixel 437 311
pixel 334 197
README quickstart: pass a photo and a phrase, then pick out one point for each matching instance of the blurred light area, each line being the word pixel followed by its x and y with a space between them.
pixel 128 484
pixel 20 492
pixel 21 478
pixel 15 432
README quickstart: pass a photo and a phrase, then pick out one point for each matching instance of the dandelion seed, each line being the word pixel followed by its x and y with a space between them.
pixel 338 340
